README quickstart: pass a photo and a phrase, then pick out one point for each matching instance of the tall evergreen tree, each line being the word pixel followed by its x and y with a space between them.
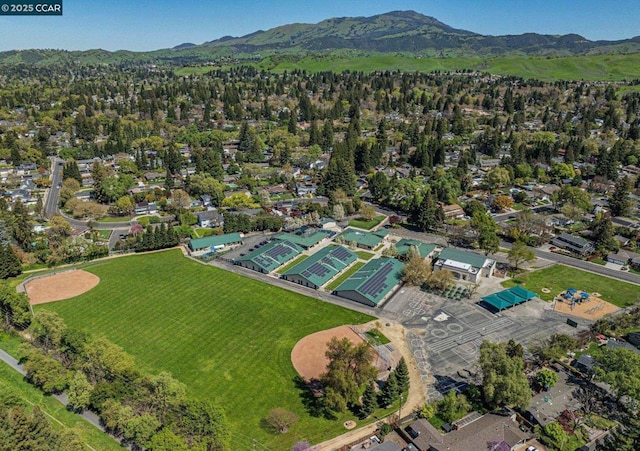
pixel 390 391
pixel 71 171
pixel 168 180
pixel 39 208
pixel 369 401
pixel 619 202
pixel 402 375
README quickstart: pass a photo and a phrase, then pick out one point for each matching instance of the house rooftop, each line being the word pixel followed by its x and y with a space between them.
pixel 474 436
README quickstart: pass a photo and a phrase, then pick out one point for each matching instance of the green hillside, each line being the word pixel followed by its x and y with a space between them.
pixel 585 67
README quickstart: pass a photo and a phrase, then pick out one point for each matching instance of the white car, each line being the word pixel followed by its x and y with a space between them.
pixel 532 448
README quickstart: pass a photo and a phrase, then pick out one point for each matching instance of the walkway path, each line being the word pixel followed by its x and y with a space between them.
pixel 87 415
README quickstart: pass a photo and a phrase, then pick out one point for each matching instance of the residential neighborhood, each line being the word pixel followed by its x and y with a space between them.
pixel 218 254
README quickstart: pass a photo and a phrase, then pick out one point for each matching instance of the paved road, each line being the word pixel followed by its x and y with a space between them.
pixel 13 363
pixel 506 216
pixel 53 193
pixel 322 295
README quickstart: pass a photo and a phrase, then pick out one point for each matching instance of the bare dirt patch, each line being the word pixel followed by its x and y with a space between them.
pixel 308 356
pixel 593 309
pixel 61 286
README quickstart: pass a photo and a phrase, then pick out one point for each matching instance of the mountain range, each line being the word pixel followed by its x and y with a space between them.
pixel 393 32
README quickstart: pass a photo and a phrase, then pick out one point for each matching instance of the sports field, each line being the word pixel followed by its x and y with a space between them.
pixel 226 336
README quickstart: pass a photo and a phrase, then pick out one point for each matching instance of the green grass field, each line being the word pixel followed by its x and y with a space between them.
pixel 363 255
pixel 558 278
pixel 12 382
pixel 367 225
pixel 293 263
pixel 228 337
pixel 344 276
pixel 104 234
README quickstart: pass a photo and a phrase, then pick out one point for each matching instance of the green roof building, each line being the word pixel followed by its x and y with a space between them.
pixel 405 244
pixel 321 267
pixel 465 265
pixel 373 283
pixel 365 240
pixel 210 244
pixel 509 298
pixel 270 256
pixel 304 240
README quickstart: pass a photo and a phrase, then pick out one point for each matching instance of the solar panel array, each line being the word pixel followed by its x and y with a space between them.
pixel 340 253
pixel 317 269
pixel 378 282
pixel 275 254
pixel 334 260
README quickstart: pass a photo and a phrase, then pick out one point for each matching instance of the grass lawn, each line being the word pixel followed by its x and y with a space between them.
pixel 104 234
pixel 364 255
pixel 558 278
pixel 13 383
pixel 518 206
pixel 366 225
pixel 293 263
pixel 109 219
pixel 10 343
pixel 436 422
pixel 227 337
pixel 593 347
pixel 344 276
pixel 376 337
pixel 599 261
pixel 201 233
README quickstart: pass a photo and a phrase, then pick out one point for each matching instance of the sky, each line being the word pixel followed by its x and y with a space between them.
pixel 155 24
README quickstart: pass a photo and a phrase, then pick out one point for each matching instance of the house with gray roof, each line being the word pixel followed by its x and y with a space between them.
pixel 464 265
pixel 473 436
pixel 621 257
pixel 209 218
pixel 374 283
pixel 574 244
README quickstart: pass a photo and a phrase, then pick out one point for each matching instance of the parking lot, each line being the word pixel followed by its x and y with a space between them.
pixel 445 335
pixel 250 242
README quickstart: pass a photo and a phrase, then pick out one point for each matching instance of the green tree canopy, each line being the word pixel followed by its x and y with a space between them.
pixel 503 380
pixel 349 371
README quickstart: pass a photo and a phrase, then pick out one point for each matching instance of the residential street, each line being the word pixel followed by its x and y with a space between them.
pixel 52 196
